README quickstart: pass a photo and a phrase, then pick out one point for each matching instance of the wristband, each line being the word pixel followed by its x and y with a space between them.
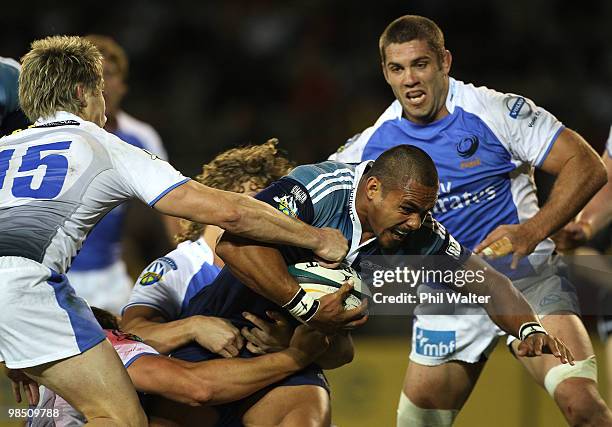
pixel 302 306
pixel 530 328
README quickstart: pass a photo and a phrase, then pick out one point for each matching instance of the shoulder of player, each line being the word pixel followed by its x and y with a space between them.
pixel 489 104
pixel 321 174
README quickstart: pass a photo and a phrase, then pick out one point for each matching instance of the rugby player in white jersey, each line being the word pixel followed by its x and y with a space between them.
pixel 485 145
pixel 168 283
pixel 57 179
pixel 99 273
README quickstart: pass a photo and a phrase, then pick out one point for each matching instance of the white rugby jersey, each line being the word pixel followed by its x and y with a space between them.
pixel 484 150
pixel 609 144
pixel 60 177
pixel 169 282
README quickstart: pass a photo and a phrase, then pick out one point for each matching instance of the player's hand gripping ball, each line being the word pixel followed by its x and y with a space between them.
pixel 318 281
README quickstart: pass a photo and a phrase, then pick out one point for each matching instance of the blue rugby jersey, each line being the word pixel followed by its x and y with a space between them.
pixel 485 151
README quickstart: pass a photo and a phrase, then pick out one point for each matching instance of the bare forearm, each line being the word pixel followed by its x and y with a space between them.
pixel 164 337
pixel 234 379
pixel 261 222
pixel 260 268
pixel 239 214
pixel 505 305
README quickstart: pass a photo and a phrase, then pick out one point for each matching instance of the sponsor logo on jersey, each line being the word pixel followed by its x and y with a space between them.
pixel 156 270
pixel 534 119
pixel 518 106
pixel 467 146
pixel 459 201
pixel 434 343
pixel 470 164
pixel 287 205
pixel 299 194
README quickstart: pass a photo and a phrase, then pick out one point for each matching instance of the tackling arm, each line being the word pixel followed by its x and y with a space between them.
pixel 216 334
pixel 250 218
pixel 215 382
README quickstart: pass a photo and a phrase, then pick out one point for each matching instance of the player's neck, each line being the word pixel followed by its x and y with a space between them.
pixel 111 123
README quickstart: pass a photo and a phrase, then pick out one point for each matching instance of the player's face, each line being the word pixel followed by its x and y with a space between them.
pixel 95 109
pixel 397 213
pixel 114 88
pixel 418 80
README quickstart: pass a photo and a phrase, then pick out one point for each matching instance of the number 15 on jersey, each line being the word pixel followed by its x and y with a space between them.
pixel 35 161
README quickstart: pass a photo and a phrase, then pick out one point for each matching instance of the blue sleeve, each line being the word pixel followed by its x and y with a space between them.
pixel 290 197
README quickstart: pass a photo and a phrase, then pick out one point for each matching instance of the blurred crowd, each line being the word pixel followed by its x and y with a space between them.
pixel 211 75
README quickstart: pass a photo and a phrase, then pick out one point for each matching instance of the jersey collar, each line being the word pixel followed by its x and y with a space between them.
pixel 60 116
pixel 357 228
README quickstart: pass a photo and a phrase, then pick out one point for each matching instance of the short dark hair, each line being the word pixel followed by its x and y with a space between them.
pixel 106 319
pixel 396 166
pixel 413 27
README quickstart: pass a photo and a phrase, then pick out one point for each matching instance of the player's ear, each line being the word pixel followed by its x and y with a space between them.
pixel 384 70
pixel 373 187
pixel 80 93
pixel 447 60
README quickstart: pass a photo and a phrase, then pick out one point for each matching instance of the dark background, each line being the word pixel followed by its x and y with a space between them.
pixel 211 75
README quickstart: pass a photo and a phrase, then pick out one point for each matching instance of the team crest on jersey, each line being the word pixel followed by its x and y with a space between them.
pixel 156 270
pixel 467 146
pixel 287 205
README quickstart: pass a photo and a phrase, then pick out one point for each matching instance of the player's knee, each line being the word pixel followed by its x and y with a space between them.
pixel 408 414
pixel 574 388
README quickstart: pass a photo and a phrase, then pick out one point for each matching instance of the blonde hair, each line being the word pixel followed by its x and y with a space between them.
pixel 258 164
pixel 111 51
pixel 51 72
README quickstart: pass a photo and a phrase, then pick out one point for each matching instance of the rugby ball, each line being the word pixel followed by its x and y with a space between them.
pixel 318 281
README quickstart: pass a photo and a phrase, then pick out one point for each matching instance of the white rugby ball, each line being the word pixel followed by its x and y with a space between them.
pixel 318 281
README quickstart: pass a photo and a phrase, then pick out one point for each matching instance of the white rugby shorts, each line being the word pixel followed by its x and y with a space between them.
pixel 469 335
pixel 41 318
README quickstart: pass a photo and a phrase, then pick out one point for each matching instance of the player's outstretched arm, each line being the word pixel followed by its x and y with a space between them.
pixel 247 217
pixel 220 381
pixel 213 333
pixel 263 269
pixel 580 173
pixel 509 309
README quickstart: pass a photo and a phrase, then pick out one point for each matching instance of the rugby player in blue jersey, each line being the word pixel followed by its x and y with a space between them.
pixel 165 287
pixel 382 208
pixel 485 145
